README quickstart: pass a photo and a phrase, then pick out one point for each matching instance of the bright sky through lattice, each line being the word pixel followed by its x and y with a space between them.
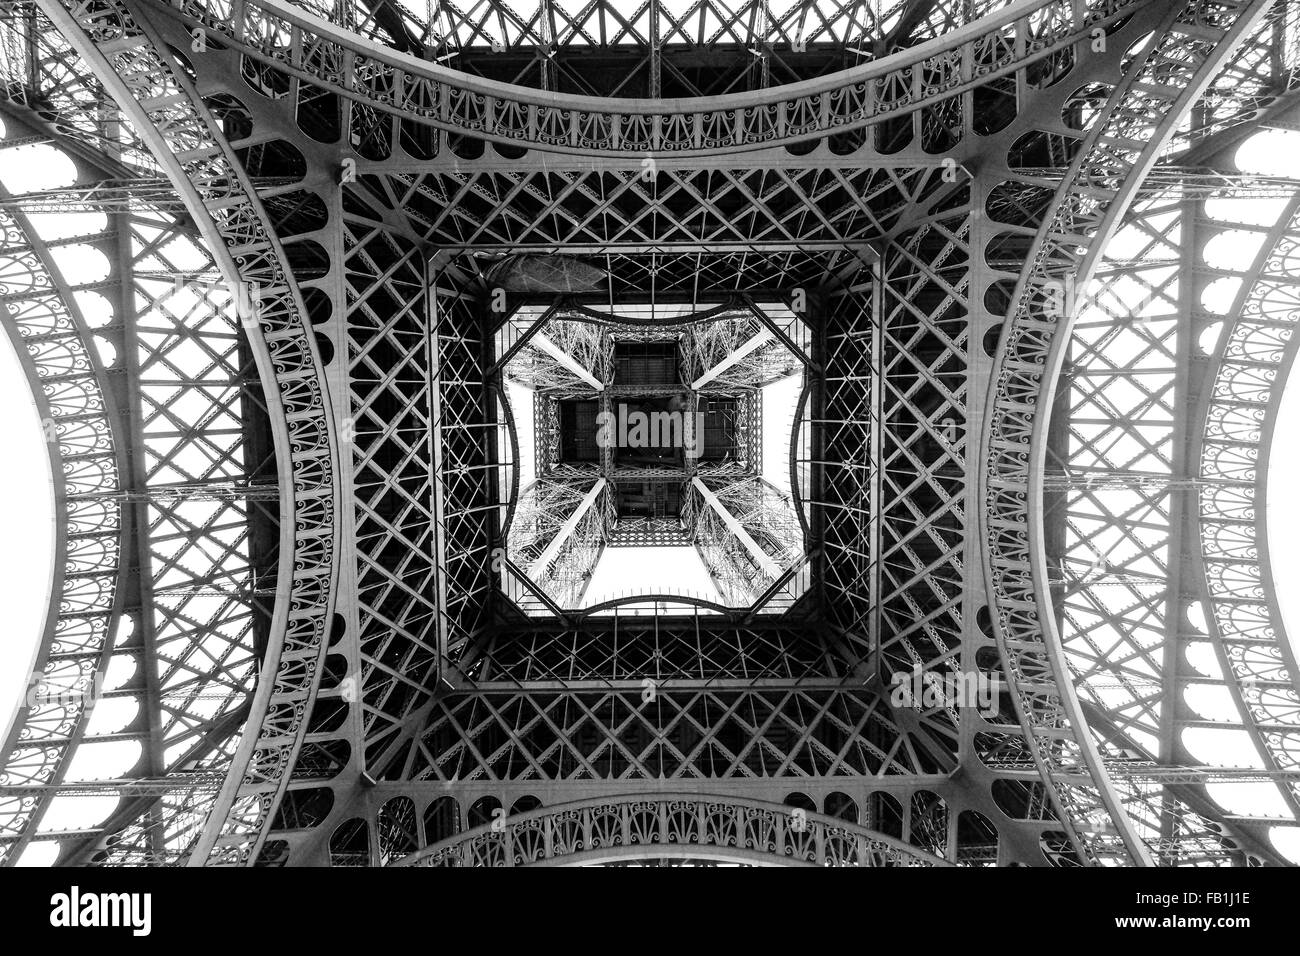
pixel 623 571
pixel 638 570
pixel 780 399
pixel 1272 153
pixel 164 311
pixel 28 523
pixel 26 528
pixel 1266 153
pixel 845 20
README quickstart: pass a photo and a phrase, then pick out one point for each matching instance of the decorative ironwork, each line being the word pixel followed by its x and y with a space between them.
pixel 676 825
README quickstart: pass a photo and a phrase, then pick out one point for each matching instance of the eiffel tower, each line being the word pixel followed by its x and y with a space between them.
pixel 654 432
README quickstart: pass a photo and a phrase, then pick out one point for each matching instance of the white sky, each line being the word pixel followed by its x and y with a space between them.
pixel 625 571
pixel 621 572
pixel 780 399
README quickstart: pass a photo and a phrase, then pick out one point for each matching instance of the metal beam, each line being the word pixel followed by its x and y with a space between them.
pixel 565 359
pixel 756 341
pixel 736 528
pixel 538 567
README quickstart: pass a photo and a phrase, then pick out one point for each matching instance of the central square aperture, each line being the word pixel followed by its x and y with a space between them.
pixel 653 454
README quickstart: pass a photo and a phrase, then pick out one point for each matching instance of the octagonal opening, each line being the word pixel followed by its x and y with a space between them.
pixel 655 434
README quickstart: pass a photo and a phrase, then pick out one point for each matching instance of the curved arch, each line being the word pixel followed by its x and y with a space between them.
pixel 1285 369
pixel 230 217
pixel 278 33
pixel 1094 194
pixel 670 825
pixel 196 721
pixel 653 597
pixel 886 25
pixel 64 373
pixel 1255 353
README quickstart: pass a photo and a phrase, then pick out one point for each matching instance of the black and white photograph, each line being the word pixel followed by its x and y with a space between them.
pixel 693 434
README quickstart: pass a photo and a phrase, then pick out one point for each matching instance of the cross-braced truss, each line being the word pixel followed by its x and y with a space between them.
pixel 305 511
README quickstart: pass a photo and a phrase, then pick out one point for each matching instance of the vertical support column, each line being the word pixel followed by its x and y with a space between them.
pixel 655 85
pixel 979 368
pixel 135 523
pixel 433 306
pixel 876 399
pixel 1015 842
pixel 338 398
pixel 1183 558
pixel 493 429
pixel 339 403
pixel 546 44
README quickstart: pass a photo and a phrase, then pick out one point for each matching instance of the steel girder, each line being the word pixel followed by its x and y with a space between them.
pixel 919 82
pixel 660 825
pixel 919 820
pixel 455 467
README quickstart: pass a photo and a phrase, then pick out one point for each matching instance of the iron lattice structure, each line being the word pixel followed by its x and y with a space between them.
pixel 591 486
pixel 300 510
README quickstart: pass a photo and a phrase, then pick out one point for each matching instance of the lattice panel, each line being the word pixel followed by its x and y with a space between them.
pixel 1115 568
pixel 922 451
pixel 1263 66
pixel 389 375
pixel 209 599
pixel 846 504
pixel 191 375
pixel 462 436
pixel 45 74
pixel 700 734
pixel 654 205
pixel 633 649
